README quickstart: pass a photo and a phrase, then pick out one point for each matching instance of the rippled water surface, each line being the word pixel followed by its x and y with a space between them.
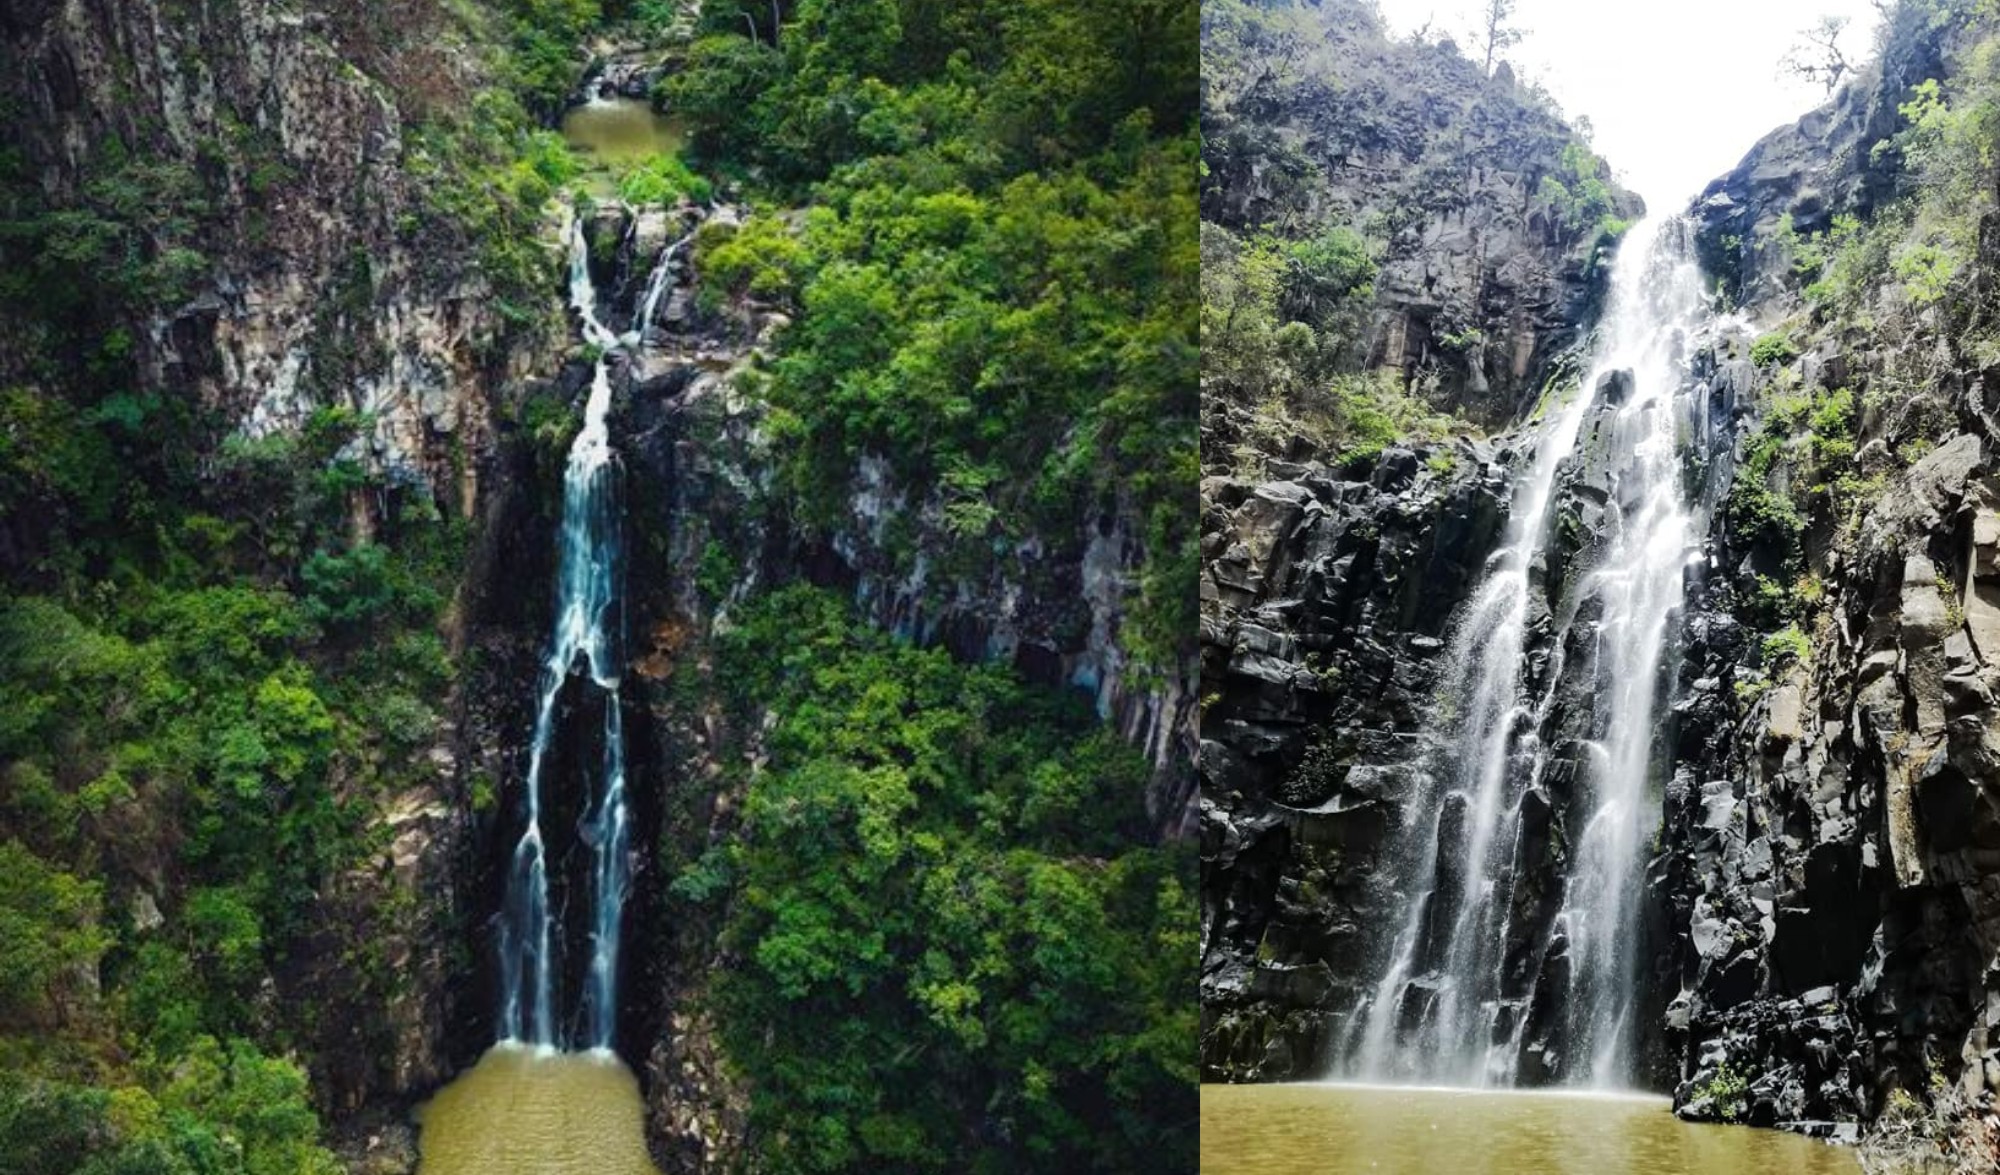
pixel 523 1112
pixel 1348 1130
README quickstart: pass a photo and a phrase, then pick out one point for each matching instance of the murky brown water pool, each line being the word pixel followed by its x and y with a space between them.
pixel 621 130
pixel 1377 1130
pixel 523 1112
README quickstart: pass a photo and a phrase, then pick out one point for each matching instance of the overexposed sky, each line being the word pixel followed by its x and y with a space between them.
pixel 1677 90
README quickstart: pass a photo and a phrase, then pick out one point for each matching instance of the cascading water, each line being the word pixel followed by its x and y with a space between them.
pixel 1454 1003
pixel 649 305
pixel 583 291
pixel 589 626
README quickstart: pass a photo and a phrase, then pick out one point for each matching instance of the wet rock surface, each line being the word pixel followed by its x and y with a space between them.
pixel 1329 608
pixel 1325 606
pixel 1821 927
pixel 1829 872
pixel 1827 882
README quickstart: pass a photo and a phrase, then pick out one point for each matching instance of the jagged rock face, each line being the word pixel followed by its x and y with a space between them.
pixel 708 525
pixel 1826 897
pixel 1831 879
pixel 1836 159
pixel 316 292
pixel 1324 611
pixel 1480 287
pixel 1052 608
pixel 1796 175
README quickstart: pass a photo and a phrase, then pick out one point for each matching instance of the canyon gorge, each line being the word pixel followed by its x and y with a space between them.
pixel 1594 694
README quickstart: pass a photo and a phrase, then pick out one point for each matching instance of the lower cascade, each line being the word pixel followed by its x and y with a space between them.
pixel 588 636
pixel 1548 699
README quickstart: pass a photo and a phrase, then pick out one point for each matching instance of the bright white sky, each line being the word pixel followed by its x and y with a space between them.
pixel 1677 90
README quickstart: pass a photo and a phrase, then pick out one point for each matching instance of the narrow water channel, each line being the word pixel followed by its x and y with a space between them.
pixel 551 1097
pixel 1392 1130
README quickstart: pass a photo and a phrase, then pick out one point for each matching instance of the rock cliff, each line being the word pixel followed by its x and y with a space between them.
pixel 1326 604
pixel 1333 567
pixel 250 230
pixel 1818 939
pixel 1484 212
pixel 1828 874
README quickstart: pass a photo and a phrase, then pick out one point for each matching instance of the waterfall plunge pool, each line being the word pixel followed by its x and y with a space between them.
pixel 1331 1129
pixel 533 1111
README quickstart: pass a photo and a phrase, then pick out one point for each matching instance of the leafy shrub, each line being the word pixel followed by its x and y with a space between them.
pixel 1728 1090
pixel 1758 511
pixel 1787 643
pixel 219 1110
pixel 1926 272
pixel 49 933
pixel 544 61
pixel 1579 193
pixel 1775 349
pixel 485 177
pixel 722 92
pixel 1323 271
pixel 663 179
pixel 758 258
pixel 937 881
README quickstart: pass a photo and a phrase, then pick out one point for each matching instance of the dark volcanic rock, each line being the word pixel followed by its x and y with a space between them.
pixel 1324 608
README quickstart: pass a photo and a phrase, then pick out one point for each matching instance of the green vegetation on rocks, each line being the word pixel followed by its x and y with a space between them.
pixel 995 282
pixel 955 952
pixel 1332 153
pixel 214 676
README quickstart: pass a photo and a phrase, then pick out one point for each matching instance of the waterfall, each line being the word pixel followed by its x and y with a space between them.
pixel 587 634
pixel 1456 1000
pixel 583 291
pixel 649 305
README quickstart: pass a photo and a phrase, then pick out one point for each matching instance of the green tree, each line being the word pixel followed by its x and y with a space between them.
pixel 50 939
pixel 939 884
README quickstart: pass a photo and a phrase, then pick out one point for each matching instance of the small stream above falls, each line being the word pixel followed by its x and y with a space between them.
pixel 1519 866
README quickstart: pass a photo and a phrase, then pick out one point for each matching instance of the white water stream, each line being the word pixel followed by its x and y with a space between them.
pixel 1444 1010
pixel 587 635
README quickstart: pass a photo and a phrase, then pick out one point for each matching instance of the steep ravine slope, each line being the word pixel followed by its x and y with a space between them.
pixel 250 348
pixel 893 410
pixel 1829 837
